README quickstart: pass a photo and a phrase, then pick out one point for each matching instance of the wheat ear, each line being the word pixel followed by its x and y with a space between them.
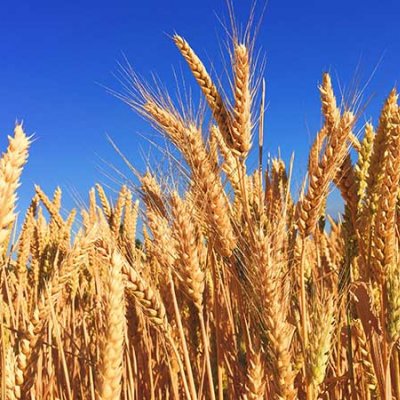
pixel 322 319
pixel 51 208
pixel 255 382
pixel 11 164
pixel 241 123
pixel 188 261
pixel 112 342
pixel 387 176
pixel 104 201
pixel 309 208
pixel 207 86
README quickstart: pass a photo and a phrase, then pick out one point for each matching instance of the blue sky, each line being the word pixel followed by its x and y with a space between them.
pixel 56 57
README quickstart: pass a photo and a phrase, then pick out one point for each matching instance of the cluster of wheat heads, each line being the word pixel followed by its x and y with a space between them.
pixel 237 291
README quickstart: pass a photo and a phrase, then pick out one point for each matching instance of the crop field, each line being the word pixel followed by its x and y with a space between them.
pixel 214 280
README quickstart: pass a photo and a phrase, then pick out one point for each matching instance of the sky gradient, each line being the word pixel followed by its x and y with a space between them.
pixel 57 57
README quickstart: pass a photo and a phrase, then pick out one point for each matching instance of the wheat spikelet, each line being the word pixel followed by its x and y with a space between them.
pixel 162 247
pixel 24 246
pixel 329 107
pixel 57 198
pixel 147 297
pixel 92 214
pixel 315 151
pixel 273 289
pixel 9 375
pixel 23 358
pixel 152 194
pixel 166 120
pixel 345 177
pixel 310 207
pixel 116 216
pixel 346 181
pixel 38 244
pixel 130 220
pixel 212 148
pixel 386 119
pixel 111 350
pixel 365 358
pixel 51 208
pixel 163 244
pixel 393 311
pixel 363 163
pixel 129 224
pixel 104 201
pixel 211 192
pixel 322 319
pixel 11 164
pixel 276 190
pixel 321 171
pixel 189 141
pixel 384 239
pixel 255 382
pixel 241 123
pixel 229 165
pixel 70 221
pixel 211 94
pixel 384 242
pixel 188 260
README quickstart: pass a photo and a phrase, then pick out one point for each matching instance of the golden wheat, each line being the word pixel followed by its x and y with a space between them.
pixel 219 283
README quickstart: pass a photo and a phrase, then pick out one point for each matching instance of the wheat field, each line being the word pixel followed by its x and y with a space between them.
pixel 239 287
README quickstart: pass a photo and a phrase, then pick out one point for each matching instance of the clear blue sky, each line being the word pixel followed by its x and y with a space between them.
pixel 53 54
